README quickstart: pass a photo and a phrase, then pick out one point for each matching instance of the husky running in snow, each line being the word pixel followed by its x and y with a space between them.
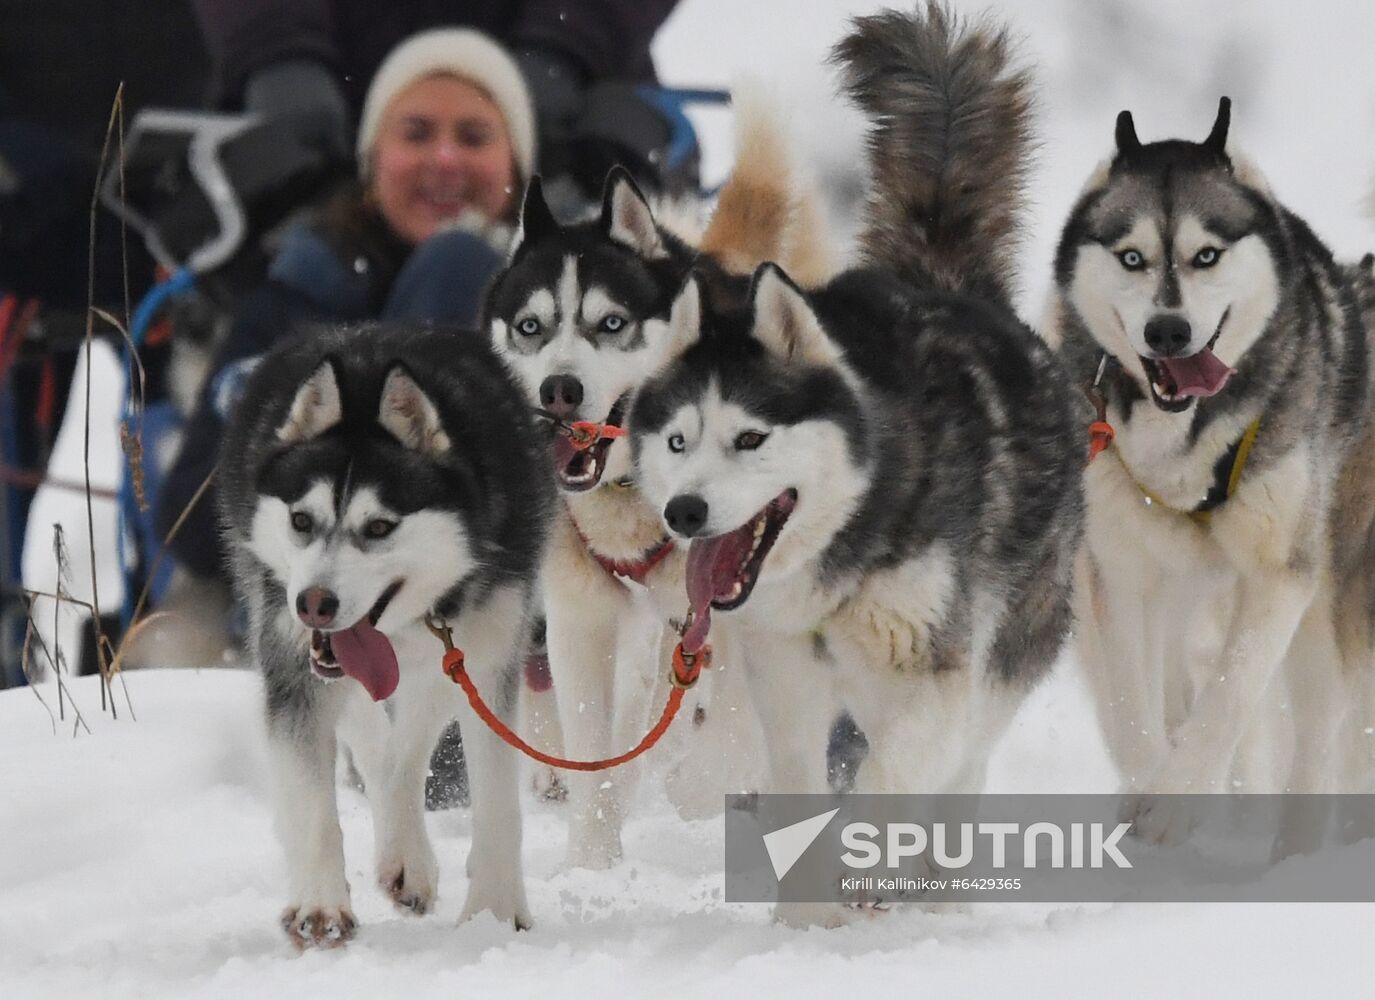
pixel 579 315
pixel 370 477
pixel 883 473
pixel 1231 525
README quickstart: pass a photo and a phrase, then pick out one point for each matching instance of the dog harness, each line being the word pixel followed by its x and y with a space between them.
pixel 630 569
pixel 1226 475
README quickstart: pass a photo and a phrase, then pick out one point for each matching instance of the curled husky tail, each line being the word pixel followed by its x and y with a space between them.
pixel 765 211
pixel 949 146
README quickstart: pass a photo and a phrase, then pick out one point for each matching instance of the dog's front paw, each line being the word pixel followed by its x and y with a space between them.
pixel 504 898
pixel 318 926
pixel 412 887
pixel 1164 820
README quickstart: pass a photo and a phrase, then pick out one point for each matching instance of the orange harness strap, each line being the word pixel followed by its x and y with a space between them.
pixel 687 667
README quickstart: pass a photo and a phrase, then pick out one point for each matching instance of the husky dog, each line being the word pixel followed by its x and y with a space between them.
pixel 883 473
pixel 1230 525
pixel 578 314
pixel 371 477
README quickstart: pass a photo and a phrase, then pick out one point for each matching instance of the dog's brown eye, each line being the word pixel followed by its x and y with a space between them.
pixel 750 440
pixel 378 528
pixel 302 522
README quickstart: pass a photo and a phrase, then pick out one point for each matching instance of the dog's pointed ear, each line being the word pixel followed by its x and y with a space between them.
pixel 1217 138
pixel 627 218
pixel 317 407
pixel 1127 142
pixel 409 415
pixel 536 221
pixel 684 318
pixel 784 321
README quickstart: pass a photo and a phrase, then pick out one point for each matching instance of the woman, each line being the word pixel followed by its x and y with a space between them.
pixel 445 144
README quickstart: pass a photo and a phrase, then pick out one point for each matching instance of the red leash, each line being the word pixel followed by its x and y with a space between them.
pixel 687 667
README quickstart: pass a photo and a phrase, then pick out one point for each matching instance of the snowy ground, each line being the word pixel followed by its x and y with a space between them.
pixel 139 860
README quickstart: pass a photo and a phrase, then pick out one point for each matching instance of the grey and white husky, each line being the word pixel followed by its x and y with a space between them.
pixel 579 315
pixel 371 477
pixel 879 478
pixel 1231 527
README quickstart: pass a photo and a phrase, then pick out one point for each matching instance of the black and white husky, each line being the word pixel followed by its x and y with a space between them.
pixel 579 314
pixel 1230 526
pixel 883 473
pixel 370 477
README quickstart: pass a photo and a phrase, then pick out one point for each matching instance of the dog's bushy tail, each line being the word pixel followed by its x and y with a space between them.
pixel 766 210
pixel 949 146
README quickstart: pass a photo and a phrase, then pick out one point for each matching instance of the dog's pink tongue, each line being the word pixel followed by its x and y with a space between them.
pixel 711 567
pixel 365 654
pixel 1201 374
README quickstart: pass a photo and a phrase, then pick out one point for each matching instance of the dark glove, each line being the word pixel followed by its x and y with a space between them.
pixel 556 83
pixel 619 125
pixel 304 92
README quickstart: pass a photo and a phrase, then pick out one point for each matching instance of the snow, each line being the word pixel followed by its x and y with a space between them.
pixel 139 860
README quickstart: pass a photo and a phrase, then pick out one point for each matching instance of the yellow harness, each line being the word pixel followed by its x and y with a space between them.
pixel 1226 478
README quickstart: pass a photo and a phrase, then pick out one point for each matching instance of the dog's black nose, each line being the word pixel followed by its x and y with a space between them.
pixel 316 607
pixel 1168 336
pixel 686 515
pixel 560 394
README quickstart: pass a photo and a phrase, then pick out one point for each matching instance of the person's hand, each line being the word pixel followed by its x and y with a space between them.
pixel 306 93
pixel 556 85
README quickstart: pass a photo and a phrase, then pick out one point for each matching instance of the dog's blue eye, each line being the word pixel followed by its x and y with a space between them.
pixel 1207 257
pixel 676 443
pixel 302 522
pixel 528 327
pixel 612 324
pixel 1132 260
pixel 378 528
pixel 750 440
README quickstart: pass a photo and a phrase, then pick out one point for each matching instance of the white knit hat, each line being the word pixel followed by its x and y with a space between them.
pixel 460 52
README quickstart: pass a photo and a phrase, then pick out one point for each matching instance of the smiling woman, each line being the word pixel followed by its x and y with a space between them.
pixel 445 143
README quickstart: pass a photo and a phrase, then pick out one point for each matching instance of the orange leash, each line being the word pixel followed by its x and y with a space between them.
pixel 1101 433
pixel 687 667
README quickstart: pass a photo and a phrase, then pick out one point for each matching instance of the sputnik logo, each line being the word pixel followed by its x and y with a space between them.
pixel 786 844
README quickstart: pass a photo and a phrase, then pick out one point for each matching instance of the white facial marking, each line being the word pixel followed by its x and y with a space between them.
pixel 340 556
pixel 812 457
pixel 1116 302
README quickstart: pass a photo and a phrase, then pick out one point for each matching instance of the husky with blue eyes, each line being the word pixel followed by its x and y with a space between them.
pixel 579 315
pixel 1227 589
pixel 883 473
pixel 369 478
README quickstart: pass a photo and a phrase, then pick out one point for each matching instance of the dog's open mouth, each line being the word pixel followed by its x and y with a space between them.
pixel 722 571
pixel 1176 382
pixel 360 651
pixel 581 469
